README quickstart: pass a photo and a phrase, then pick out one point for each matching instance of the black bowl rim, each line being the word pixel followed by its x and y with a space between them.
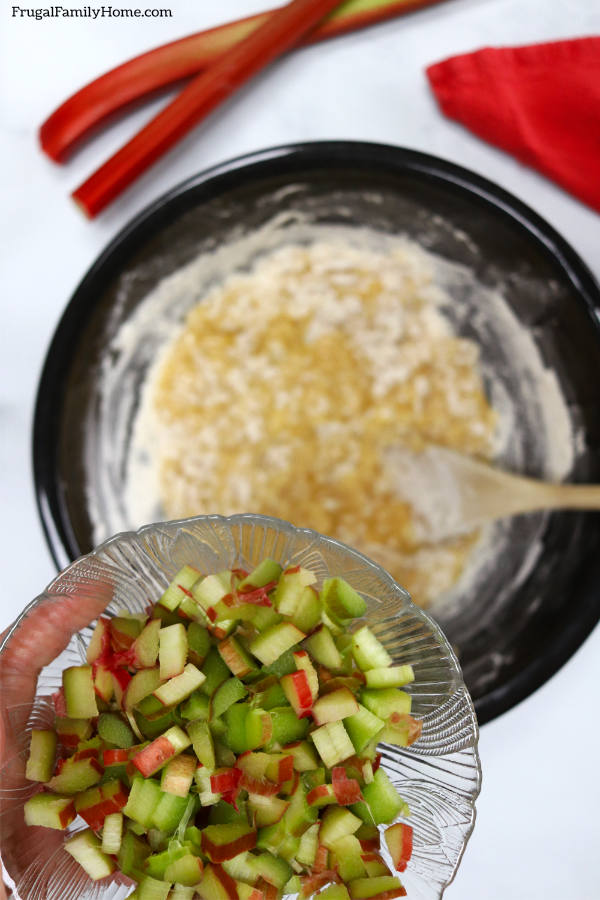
pixel 209 183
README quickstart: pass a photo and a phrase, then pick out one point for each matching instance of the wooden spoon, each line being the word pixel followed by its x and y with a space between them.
pixel 452 494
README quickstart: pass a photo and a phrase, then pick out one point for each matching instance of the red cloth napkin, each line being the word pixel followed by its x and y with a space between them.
pixel 540 102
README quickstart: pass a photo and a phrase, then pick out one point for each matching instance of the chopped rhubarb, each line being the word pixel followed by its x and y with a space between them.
pixel 221 842
pixel 346 790
pixel 231 792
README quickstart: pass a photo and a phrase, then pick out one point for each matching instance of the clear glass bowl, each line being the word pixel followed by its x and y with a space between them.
pixel 439 776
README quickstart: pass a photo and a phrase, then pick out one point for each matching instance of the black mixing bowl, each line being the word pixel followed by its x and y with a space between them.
pixel 518 624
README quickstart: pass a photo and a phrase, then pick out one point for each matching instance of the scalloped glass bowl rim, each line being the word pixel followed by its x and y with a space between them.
pixel 271 521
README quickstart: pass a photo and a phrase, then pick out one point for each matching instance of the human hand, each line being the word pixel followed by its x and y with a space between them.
pixel 32 855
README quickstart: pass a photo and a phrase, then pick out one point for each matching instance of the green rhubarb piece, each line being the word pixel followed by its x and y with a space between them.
pixel 95 743
pixel 196 706
pixel 193 836
pixel 307 614
pixel 218 728
pixel 215 670
pixel 76 776
pixel 49 811
pixel 132 853
pixel 172 650
pixel 289 847
pixel 270 837
pixel 190 611
pixel 149 706
pixel 305 758
pixel 336 823
pixel 198 643
pixel 401 731
pixel 284 665
pixel 114 730
pixel 270 644
pixel 261 617
pixel 337 704
pixel 86 849
pixel 116 772
pixel 335 892
pixel 208 591
pixel 341 600
pixel 178 774
pixel 112 833
pixel 158 840
pixel 273 869
pixel 323 796
pixel 382 803
pixel 224 756
pixel 124 629
pixel 145 646
pixel 156 864
pixel 309 843
pixel 266 810
pixel 236 657
pixel 168 812
pixel 152 889
pixel 205 792
pixel 227 694
pixel 271 696
pixel 287 727
pixel 156 725
pixel 223 813
pixel 265 572
pixel 391 677
pixel 179 587
pixel 80 697
pixel 143 683
pixel 332 743
pixel 218 839
pixel 71 731
pixel 181 892
pixel 293 886
pixel 321 647
pixel 313 778
pixel 187 870
pixel 143 799
pixel 348 852
pixel 363 888
pixel 368 652
pixel 180 686
pixel 259 728
pixel 166 616
pixel 299 814
pixel 42 751
pixel 202 742
pixel 240 867
pixel 235 720
pixel 363 727
pixel 290 588
pixel 385 702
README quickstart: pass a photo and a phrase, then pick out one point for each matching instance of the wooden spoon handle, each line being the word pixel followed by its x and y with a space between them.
pixel 567 496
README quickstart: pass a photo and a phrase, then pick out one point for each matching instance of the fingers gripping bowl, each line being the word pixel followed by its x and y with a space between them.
pixel 438 776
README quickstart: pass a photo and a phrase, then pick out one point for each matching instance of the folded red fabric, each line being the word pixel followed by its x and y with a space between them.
pixel 539 102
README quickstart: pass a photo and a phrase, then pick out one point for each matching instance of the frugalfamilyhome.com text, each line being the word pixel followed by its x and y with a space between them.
pixel 89 12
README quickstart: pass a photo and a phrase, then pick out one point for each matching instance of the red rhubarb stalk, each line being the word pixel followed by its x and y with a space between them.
pixel 279 32
pixel 155 70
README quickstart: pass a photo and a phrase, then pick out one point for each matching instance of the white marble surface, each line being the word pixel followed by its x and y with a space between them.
pixel 537 834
